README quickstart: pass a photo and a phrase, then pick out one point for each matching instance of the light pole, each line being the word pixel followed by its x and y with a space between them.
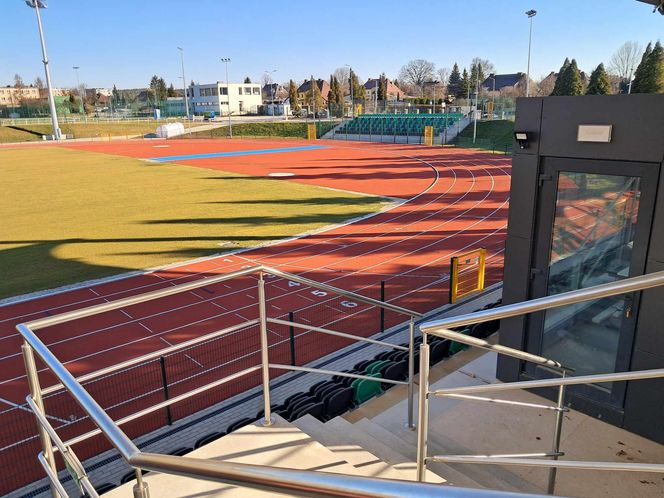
pixel 39 4
pixel 530 14
pixel 629 87
pixel 226 60
pixel 350 84
pixel 184 83
pixel 477 101
pixel 78 84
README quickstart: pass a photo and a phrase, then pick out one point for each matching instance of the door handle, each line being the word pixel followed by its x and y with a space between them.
pixel 629 308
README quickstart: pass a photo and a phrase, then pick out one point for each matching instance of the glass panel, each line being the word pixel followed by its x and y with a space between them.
pixel 592 240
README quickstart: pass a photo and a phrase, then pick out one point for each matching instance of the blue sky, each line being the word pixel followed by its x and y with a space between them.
pixel 126 42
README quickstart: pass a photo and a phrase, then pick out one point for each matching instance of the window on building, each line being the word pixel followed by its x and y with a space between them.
pixel 239 91
pixel 257 91
pixel 224 90
pixel 247 90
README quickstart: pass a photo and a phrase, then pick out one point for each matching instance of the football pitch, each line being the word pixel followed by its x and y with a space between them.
pixel 73 215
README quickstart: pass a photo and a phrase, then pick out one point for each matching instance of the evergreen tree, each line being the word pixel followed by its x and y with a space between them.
pixel 382 87
pixel 292 97
pixel 649 76
pixel 171 91
pixel 314 96
pixel 558 83
pixel 247 80
pixel 464 91
pixel 339 94
pixel 599 82
pixel 454 81
pixel 640 69
pixel 570 80
pixel 476 73
pixel 358 88
pixel 116 94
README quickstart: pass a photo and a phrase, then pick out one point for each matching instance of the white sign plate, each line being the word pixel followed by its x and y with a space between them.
pixel 594 133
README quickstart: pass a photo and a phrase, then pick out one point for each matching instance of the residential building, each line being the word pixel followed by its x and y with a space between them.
pixel 10 95
pixel 274 91
pixel 94 92
pixel 514 83
pixel 393 91
pixel 57 92
pixel 243 98
pixel 305 88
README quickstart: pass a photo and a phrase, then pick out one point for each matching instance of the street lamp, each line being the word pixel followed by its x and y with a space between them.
pixel 226 60
pixel 40 4
pixel 78 84
pixel 350 84
pixel 184 83
pixel 530 14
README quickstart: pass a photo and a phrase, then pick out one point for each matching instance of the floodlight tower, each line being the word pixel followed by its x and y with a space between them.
pixel 350 84
pixel 226 60
pixel 40 4
pixel 184 83
pixel 531 13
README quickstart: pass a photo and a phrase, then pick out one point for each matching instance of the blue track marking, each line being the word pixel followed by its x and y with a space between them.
pixel 237 153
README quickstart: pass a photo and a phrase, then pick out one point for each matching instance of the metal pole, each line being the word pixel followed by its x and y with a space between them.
pixel 382 310
pixel 411 373
pixel 423 415
pixel 226 60
pixel 140 489
pixel 629 87
pixel 265 359
pixel 477 101
pixel 51 102
pixel 291 334
pixel 164 380
pixel 35 392
pixel 530 14
pixel 184 83
pixel 556 436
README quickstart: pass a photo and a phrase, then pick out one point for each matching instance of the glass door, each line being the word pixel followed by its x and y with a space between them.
pixel 594 222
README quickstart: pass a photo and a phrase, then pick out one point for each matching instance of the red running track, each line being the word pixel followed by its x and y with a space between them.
pixel 452 201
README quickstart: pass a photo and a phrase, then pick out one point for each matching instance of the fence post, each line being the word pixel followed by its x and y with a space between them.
pixel 164 380
pixel 291 334
pixel 265 359
pixel 556 435
pixel 382 310
pixel 35 392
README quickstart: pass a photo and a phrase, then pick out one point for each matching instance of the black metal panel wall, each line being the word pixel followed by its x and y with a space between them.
pixel 637 135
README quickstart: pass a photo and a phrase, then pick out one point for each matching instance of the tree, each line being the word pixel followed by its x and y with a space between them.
pixel 335 100
pixel 292 97
pixel 342 75
pixel 465 84
pixel 39 83
pixel 545 86
pixel 649 76
pixel 454 81
pixel 486 65
pixel 443 74
pixel 556 87
pixel 599 82
pixel 247 80
pixel 18 81
pixel 158 88
pixel 417 72
pixel 358 88
pixel 382 87
pixel 170 92
pixel 570 80
pixel 314 97
pixel 624 60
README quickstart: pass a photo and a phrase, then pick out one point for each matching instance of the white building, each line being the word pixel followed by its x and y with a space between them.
pixel 245 98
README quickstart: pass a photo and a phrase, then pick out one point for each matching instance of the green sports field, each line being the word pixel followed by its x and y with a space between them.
pixel 69 215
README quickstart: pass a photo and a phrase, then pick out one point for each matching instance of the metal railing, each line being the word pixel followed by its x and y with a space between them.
pixel 440 328
pixel 278 480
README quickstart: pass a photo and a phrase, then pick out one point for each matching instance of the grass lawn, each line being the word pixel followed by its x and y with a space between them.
pixel 491 135
pixel 278 129
pixel 69 216
pixel 30 132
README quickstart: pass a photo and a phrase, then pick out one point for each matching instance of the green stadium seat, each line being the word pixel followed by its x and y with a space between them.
pixel 366 389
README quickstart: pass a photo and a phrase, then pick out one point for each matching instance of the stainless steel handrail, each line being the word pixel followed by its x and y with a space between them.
pixel 624 286
pixel 440 328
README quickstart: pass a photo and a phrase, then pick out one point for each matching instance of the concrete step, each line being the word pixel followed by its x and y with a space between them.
pixel 382 448
pixel 280 445
pixel 366 463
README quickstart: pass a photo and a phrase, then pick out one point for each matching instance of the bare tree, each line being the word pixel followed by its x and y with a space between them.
pixel 624 61
pixel 417 72
pixel 342 74
pixel 486 64
pixel 39 83
pixel 18 81
pixel 266 79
